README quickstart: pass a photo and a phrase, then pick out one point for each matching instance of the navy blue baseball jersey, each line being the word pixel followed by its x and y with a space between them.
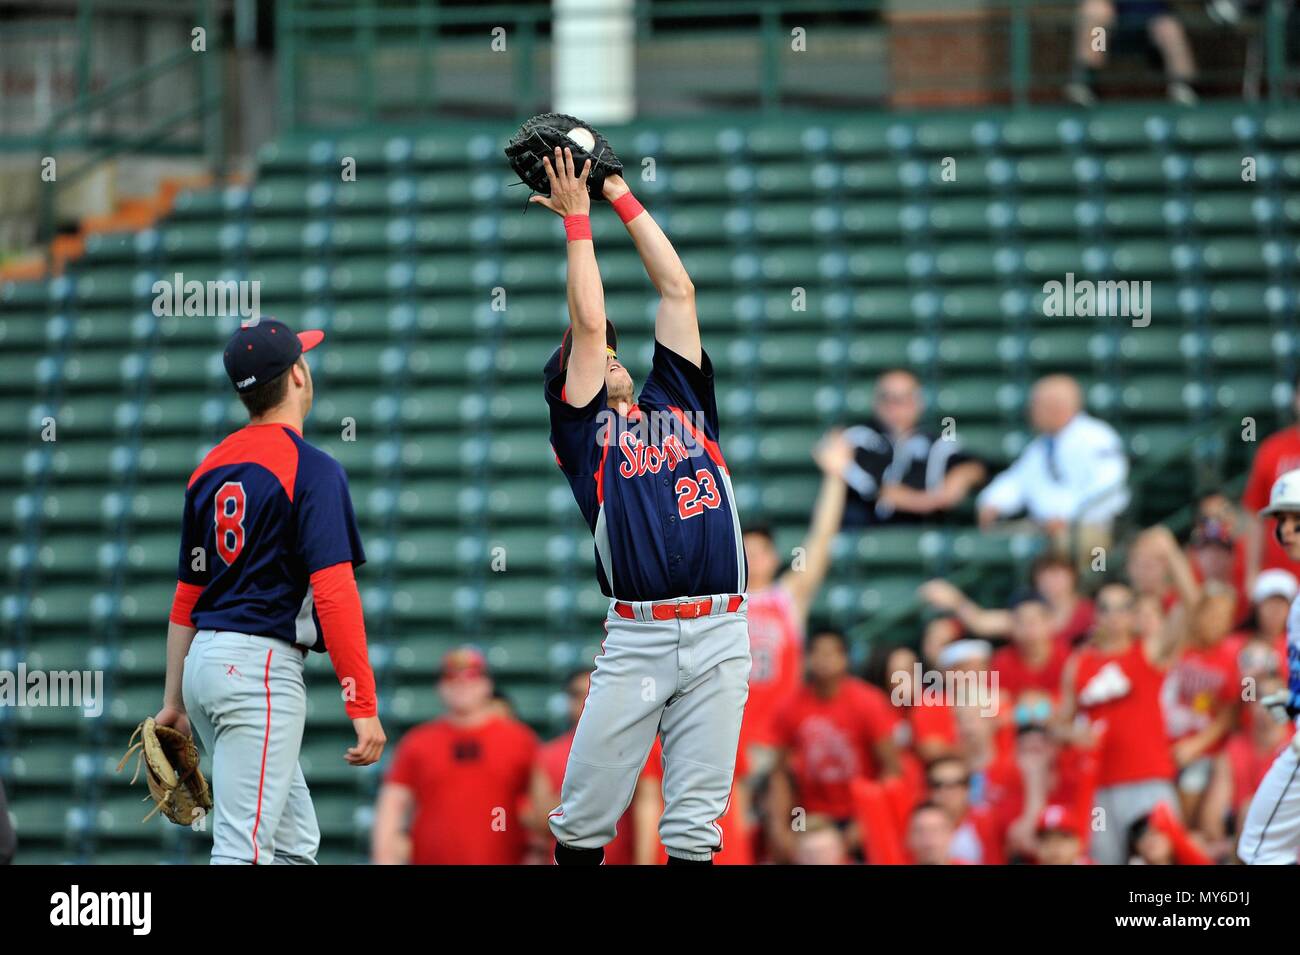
pixel 268 510
pixel 653 485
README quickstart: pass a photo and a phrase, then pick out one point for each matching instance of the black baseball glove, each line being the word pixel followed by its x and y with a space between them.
pixel 540 135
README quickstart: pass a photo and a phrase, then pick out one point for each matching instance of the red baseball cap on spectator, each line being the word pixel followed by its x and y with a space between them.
pixel 1057 818
pixel 463 662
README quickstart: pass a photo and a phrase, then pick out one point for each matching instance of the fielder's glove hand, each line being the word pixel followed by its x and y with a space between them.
pixel 538 137
pixel 1279 706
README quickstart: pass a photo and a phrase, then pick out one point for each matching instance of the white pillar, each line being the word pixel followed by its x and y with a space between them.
pixel 594 59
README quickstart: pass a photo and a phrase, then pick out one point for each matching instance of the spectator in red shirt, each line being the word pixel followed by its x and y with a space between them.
pixel 453 792
pixel 1115 684
pixel 1034 660
pixel 976 839
pixel 926 732
pixel 1277 454
pixel 929 835
pixel 835 729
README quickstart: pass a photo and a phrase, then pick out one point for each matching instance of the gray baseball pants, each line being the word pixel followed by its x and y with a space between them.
pixel 1270 834
pixel 247 701
pixel 684 679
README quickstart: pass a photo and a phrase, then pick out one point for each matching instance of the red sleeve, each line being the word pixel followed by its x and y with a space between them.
pixel 338 605
pixel 183 603
pixel 402 770
pixel 1259 483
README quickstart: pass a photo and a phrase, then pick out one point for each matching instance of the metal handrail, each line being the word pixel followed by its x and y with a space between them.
pixel 359 38
pixel 206 109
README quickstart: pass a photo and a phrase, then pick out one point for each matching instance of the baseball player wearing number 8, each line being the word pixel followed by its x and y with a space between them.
pixel 1271 833
pixel 268 545
pixel 653 486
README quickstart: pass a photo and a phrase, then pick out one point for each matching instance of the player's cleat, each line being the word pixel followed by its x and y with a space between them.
pixel 568 855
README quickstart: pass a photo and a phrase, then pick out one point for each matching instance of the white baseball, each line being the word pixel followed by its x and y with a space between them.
pixel 582 137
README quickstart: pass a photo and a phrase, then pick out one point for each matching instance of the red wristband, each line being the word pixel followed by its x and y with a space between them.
pixel 577 227
pixel 627 207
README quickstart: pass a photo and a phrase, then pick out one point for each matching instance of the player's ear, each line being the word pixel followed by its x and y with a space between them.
pixel 298 371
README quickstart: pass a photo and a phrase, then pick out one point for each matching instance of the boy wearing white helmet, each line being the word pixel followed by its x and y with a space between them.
pixel 1271 834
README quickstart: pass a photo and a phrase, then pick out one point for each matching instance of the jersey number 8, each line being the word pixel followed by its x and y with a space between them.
pixel 228 510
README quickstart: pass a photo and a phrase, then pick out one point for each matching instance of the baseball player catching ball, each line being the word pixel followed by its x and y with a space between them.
pixel 652 484
pixel 268 545
pixel 1271 834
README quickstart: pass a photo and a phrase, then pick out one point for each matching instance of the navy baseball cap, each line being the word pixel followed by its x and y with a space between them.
pixel 263 348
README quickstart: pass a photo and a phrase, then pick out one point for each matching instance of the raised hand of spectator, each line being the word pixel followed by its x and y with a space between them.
pixel 833 453
pixel 941 595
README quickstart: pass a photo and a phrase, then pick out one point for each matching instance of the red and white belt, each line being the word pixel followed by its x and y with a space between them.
pixel 680 609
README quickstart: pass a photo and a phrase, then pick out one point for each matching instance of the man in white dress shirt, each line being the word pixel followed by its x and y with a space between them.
pixel 1071 479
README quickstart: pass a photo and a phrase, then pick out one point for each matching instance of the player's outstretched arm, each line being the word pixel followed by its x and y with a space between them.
pixel 569 200
pixel 676 324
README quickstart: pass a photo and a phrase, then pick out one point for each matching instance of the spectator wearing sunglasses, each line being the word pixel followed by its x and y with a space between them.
pixel 976 837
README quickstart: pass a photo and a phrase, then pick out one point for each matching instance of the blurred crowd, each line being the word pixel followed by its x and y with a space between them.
pixel 1107 713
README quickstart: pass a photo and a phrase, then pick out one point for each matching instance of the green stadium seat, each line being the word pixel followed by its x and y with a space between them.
pixel 1030 131
pixel 1118 130
pixel 1058 349
pixel 40 817
pixel 1154 348
pixel 1141 171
